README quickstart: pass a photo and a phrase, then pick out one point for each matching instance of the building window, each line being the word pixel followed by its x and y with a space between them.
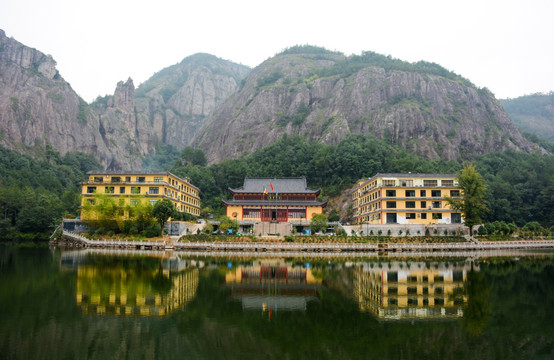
pixel 153 202
pixel 391 204
pixel 140 179
pixel 392 276
pixel 423 204
pixel 454 193
pixel 91 201
pixel 412 302
pixel 439 301
pixel 410 193
pixel 410 204
pixel 122 189
pixel 389 182
pixel 393 290
pixel 406 183
pixel 448 183
pixel 412 290
pixel 91 189
pixel 135 189
pixel 410 216
pixel 422 193
pixel 154 190
pixel 424 216
pixel 435 193
pixel 437 205
pixel 134 202
pixel 127 179
pixel 430 183
pixel 391 193
pixel 116 179
pixel 393 302
pixel 158 179
pixel 109 190
pixel 98 179
pixel 437 216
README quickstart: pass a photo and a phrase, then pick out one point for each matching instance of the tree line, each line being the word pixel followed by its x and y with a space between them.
pixel 36 194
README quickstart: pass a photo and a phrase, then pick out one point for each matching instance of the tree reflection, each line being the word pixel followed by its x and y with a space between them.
pixel 478 308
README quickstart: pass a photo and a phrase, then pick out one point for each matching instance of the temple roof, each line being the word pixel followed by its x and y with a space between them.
pixel 259 203
pixel 296 185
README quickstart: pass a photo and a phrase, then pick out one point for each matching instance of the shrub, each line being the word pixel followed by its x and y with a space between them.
pixel 152 231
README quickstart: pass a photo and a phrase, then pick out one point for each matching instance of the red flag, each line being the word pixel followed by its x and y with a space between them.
pixel 270 184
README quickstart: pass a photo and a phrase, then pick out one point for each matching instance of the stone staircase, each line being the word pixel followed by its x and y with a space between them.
pixel 272 229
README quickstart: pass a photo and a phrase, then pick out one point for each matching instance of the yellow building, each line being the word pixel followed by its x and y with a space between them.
pixel 134 186
pixel 112 289
pixel 274 200
pixel 414 290
pixel 405 199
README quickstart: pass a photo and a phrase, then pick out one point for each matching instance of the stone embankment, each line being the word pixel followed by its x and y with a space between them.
pixel 75 240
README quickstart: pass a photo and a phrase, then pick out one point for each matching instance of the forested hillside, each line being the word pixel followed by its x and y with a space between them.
pixel 35 195
pixel 533 114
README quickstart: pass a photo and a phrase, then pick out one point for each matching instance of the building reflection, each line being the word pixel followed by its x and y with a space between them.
pixel 130 287
pixel 411 290
pixel 272 285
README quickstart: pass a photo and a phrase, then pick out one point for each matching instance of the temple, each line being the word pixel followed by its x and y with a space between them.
pixel 274 200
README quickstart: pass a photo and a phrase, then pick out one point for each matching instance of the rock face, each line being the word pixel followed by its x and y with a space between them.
pixel 228 110
pixel 38 107
pixel 322 97
pixel 178 100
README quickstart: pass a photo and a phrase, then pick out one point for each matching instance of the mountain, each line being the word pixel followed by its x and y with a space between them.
pixel 228 109
pixel 533 113
pixel 39 108
pixel 325 95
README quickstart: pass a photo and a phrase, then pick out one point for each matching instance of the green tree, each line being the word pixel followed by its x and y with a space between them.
pixel 472 202
pixel 227 223
pixel 162 211
pixel 318 223
pixel 334 215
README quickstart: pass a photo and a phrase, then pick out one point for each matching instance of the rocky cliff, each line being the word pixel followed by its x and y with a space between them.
pixel 179 99
pixel 38 107
pixel 324 96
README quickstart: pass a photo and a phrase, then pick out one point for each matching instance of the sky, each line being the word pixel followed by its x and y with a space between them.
pixel 506 46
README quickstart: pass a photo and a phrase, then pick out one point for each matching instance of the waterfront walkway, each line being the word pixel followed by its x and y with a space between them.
pixel 75 240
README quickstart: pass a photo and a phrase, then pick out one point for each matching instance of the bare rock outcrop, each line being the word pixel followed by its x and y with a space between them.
pixel 324 97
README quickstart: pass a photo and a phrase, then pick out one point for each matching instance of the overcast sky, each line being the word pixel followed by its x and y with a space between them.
pixel 506 46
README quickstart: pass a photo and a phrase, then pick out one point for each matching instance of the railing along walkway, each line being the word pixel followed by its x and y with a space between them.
pixel 363 247
pixel 114 243
pixel 315 247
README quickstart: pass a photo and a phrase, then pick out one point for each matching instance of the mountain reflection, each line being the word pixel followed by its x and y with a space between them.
pixel 411 290
pixel 131 286
pixel 272 285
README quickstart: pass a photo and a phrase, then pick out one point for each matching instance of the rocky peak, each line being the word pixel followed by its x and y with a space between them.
pixel 124 96
pixel 26 57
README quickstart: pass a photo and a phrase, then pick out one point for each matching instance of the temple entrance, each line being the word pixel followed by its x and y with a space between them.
pixel 275 215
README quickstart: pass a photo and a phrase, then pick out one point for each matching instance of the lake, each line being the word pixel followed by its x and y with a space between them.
pixel 94 304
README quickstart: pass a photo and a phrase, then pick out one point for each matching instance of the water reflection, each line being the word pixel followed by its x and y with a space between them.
pixel 272 285
pixel 127 285
pixel 411 290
